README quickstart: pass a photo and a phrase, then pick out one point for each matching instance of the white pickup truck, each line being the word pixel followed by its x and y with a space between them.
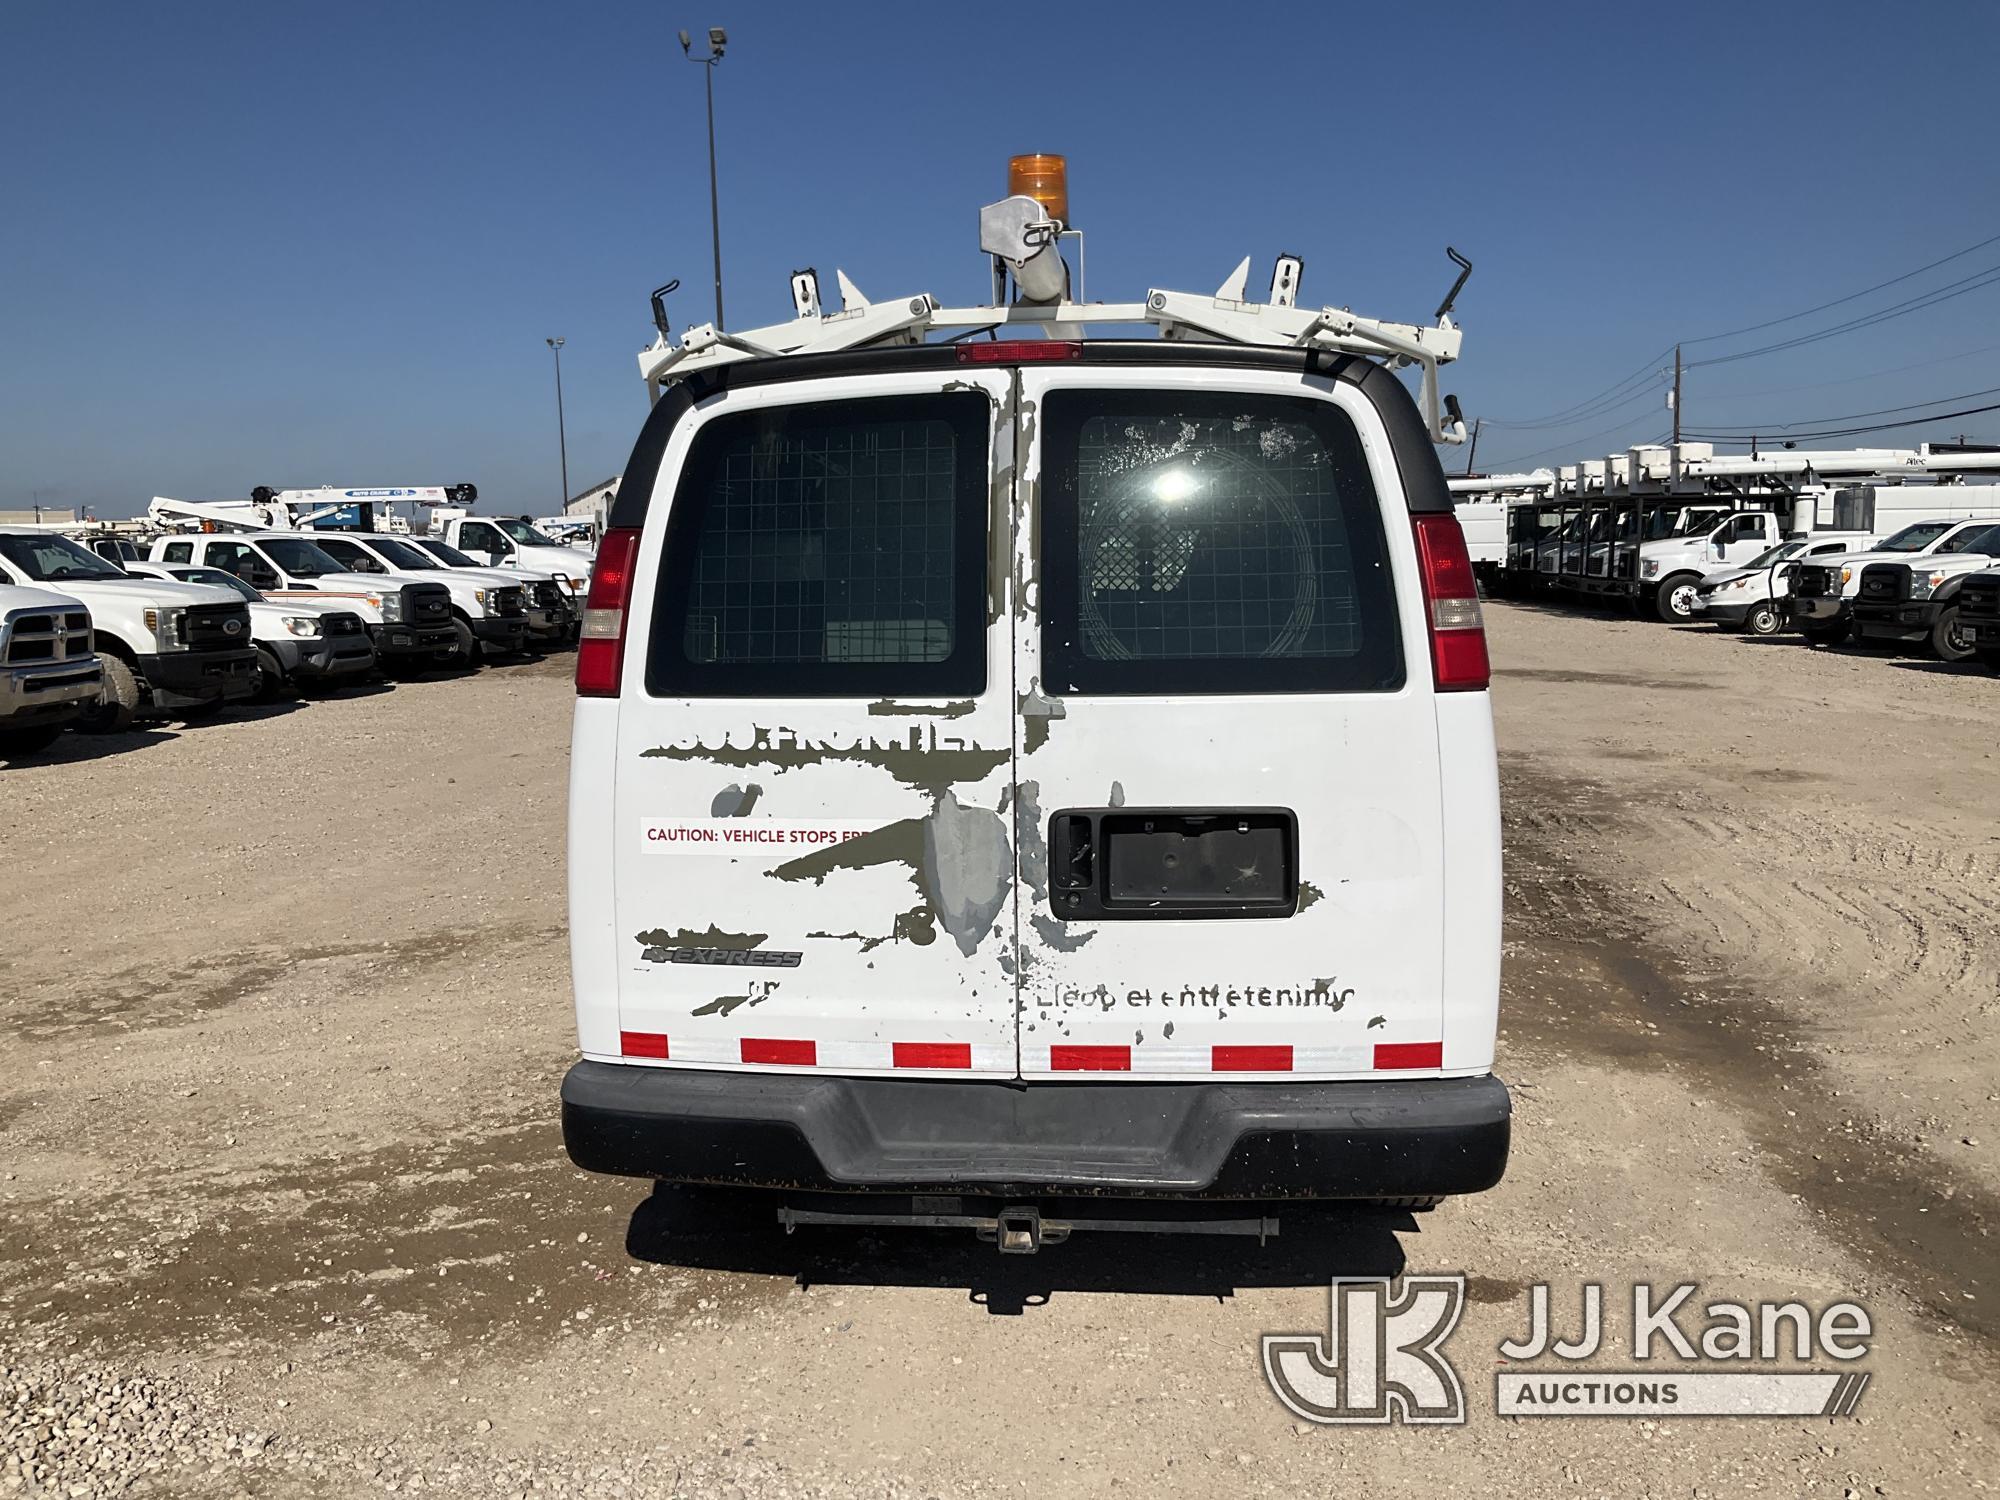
pixel 1672 568
pixel 504 541
pixel 409 622
pixel 1752 598
pixel 555 614
pixel 300 641
pixel 48 670
pixel 1823 593
pixel 489 611
pixel 162 646
pixel 1916 603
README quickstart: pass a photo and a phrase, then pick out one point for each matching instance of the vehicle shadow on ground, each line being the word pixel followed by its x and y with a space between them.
pixel 75 747
pixel 1311 1248
pixel 337 692
pixel 1972 668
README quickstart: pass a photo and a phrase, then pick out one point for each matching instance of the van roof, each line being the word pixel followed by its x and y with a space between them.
pixel 1423 480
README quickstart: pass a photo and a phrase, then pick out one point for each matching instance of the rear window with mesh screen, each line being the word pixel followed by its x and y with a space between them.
pixel 828 550
pixel 1211 543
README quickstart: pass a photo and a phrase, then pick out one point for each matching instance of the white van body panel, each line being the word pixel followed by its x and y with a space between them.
pixel 865 838
pixel 1308 996
pixel 862 887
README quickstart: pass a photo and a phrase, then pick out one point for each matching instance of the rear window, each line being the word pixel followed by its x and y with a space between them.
pixel 828 550
pixel 1211 543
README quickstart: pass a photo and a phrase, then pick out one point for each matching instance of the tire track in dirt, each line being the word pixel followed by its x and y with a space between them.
pixel 1590 958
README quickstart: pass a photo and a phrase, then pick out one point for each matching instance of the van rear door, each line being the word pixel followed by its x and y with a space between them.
pixel 809 846
pixel 1229 815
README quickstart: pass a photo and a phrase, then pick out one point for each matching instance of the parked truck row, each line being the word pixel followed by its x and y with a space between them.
pixel 100 629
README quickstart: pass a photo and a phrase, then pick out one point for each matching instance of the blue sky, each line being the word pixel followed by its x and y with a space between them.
pixel 271 244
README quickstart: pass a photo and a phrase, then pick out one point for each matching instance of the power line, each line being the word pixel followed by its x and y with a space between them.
pixel 1825 385
pixel 1710 338
pixel 1938 416
pixel 1945 293
pixel 1610 397
pixel 1749 428
pixel 1555 419
pixel 1599 409
pixel 1568 443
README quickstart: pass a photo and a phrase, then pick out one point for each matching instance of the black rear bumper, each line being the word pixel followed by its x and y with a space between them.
pixel 1366 1139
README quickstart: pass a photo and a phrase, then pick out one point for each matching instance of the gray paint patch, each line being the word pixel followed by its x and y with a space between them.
pixel 1117 797
pixel 1034 843
pixel 1058 935
pixel 968 868
pixel 1374 1021
pixel 1309 894
pixel 1037 710
pixel 735 801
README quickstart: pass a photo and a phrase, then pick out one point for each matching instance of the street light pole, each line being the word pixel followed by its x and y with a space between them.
pixel 717 40
pixel 562 428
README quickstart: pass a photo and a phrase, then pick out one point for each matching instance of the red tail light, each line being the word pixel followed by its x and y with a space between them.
pixel 1451 598
pixel 600 649
pixel 1019 352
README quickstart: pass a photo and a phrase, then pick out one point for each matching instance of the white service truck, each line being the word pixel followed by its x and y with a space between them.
pixel 489 612
pixel 409 623
pixel 1915 603
pixel 1752 598
pixel 299 641
pixel 161 646
pixel 512 542
pixel 49 673
pixel 1823 593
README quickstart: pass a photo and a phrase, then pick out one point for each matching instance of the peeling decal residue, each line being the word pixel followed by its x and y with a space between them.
pixel 1374 1021
pixel 916 926
pixel 687 937
pixel 1037 709
pixel 959 859
pixel 760 991
pixel 735 801
pixel 1058 935
pixel 1034 842
pixel 1309 894
pixel 921 758
pixel 887 708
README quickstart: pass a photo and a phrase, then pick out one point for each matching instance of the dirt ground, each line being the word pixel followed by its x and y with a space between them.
pixel 285 1210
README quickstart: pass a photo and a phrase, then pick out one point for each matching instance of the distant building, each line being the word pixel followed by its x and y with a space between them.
pixel 594 500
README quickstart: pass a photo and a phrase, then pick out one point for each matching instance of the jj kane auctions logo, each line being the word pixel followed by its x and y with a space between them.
pixel 1382 1357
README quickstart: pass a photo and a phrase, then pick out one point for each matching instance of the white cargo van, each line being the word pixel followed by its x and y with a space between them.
pixel 1014 772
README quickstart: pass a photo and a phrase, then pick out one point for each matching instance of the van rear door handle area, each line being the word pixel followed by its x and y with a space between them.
pixel 1113 863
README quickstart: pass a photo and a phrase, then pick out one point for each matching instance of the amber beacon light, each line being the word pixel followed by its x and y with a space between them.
pixel 1043 178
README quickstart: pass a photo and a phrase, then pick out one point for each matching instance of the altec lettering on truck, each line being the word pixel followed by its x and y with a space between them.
pixel 1095 735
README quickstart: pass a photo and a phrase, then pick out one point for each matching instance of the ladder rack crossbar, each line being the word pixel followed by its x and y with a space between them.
pixel 1180 316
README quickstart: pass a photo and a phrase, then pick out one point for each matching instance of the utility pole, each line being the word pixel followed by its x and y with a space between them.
pixel 562 428
pixel 1677 395
pixel 717 40
pixel 1472 448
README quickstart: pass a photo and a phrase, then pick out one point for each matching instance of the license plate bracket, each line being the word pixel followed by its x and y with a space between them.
pixel 1111 863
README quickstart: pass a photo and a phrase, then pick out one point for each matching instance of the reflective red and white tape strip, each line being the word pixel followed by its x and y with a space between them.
pixel 1059 1057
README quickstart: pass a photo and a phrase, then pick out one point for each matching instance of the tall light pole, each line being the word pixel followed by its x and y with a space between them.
pixel 562 429
pixel 717 40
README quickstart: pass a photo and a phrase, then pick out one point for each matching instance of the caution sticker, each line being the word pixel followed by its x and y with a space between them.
pixel 748 838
